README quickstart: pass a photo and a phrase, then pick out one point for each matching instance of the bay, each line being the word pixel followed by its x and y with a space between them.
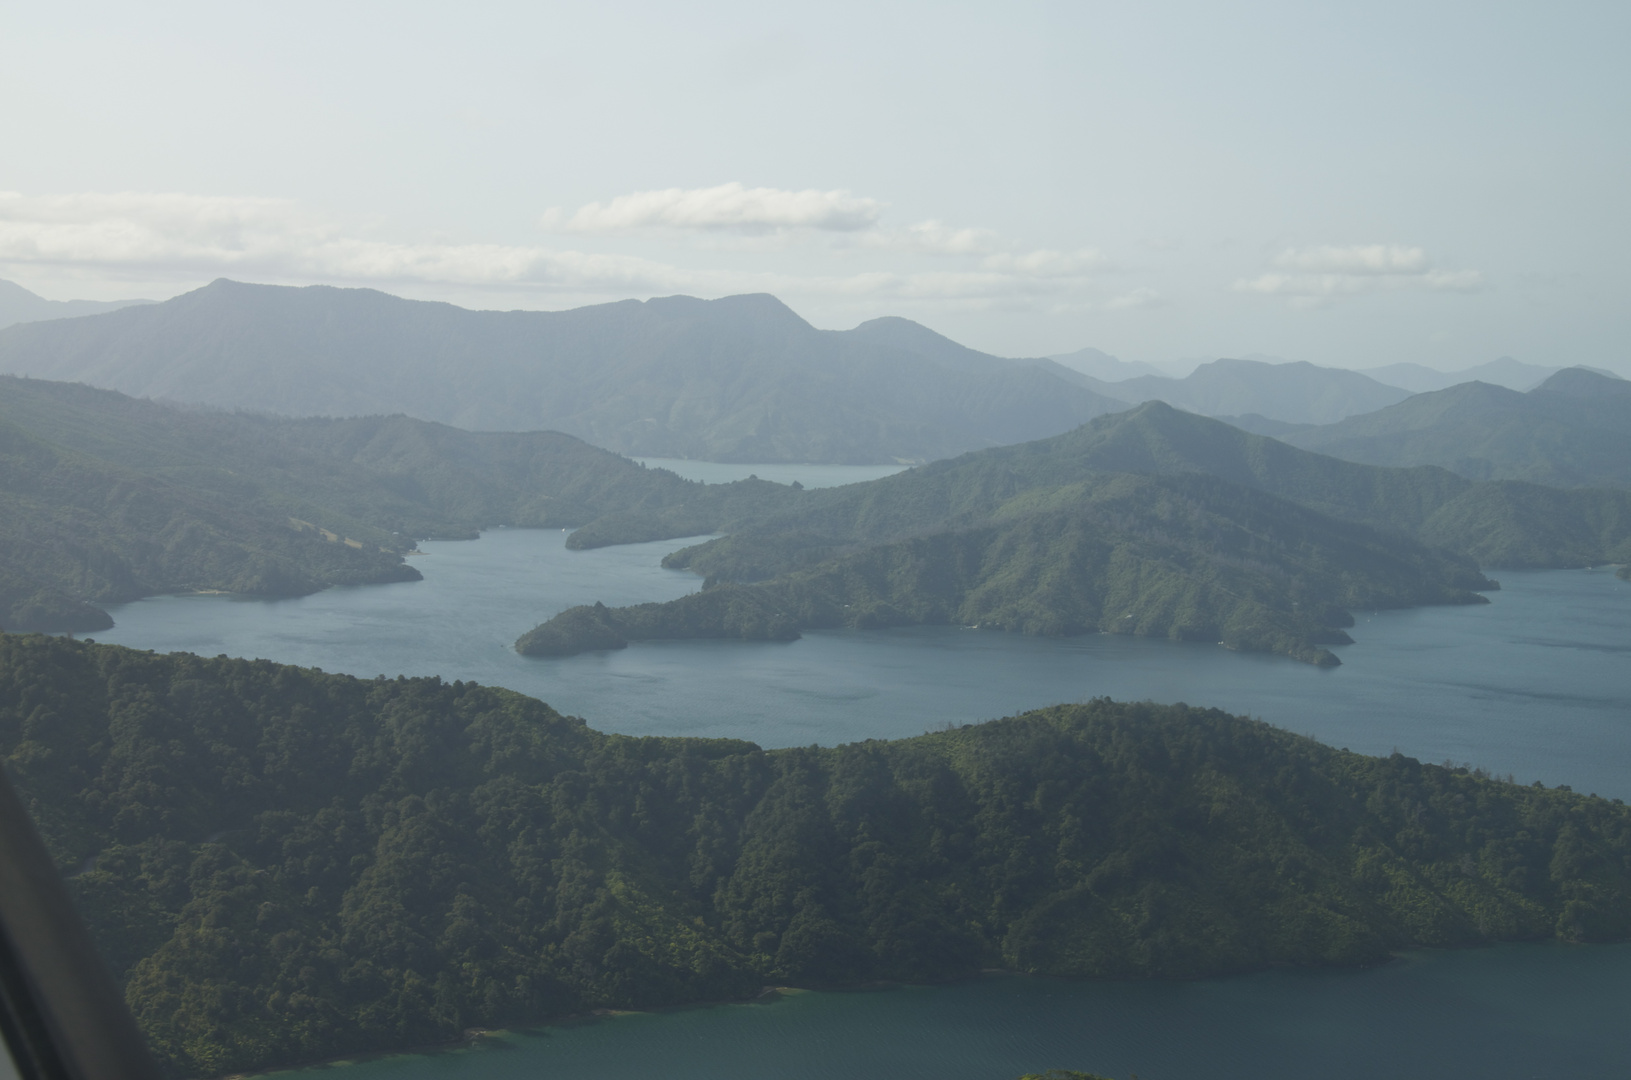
pixel 1509 1012
pixel 1535 683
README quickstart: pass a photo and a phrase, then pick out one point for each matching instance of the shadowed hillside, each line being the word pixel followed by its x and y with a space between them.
pixel 1573 430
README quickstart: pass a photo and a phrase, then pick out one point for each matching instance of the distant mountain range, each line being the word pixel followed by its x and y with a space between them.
pixel 18 305
pixel 1507 372
pixel 1104 367
pixel 1297 393
pixel 1573 430
pixel 737 379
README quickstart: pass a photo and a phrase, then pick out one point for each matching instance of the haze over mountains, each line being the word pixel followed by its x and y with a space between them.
pixel 18 305
pixel 737 379
pixel 1573 430
pixel 1297 393
pixel 1505 371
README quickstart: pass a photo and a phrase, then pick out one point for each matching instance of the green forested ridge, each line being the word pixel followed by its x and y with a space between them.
pixel 75 531
pixel 1425 502
pixel 986 539
pixel 282 864
pixel 1573 430
pixel 1183 557
pixel 104 498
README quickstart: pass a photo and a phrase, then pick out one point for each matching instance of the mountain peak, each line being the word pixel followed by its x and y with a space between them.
pixel 1584 382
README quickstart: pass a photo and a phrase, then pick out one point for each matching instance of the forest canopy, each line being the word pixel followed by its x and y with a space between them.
pixel 282 864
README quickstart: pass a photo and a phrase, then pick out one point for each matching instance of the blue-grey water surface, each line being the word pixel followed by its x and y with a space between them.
pixel 1506 1013
pixel 1536 683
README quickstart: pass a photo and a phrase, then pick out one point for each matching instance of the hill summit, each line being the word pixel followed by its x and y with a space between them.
pixel 742 378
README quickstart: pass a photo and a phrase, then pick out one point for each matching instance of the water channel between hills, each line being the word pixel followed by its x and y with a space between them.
pixel 1535 683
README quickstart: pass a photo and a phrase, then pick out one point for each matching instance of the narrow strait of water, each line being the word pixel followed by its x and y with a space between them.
pixel 1535 683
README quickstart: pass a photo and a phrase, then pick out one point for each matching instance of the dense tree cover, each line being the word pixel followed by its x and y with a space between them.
pixel 1183 557
pixel 282 864
pixel 75 531
pixel 1024 537
pixel 1501 524
pixel 1573 430
pixel 104 498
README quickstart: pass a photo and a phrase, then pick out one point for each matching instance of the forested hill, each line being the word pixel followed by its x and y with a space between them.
pixel 1500 524
pixel 1573 430
pixel 104 498
pixel 1189 558
pixel 737 379
pixel 281 864
pixel 1151 522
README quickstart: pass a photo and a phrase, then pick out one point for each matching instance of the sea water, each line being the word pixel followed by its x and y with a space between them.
pixel 1536 683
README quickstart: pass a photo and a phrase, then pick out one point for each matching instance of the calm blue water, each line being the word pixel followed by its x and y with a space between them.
pixel 1506 1013
pixel 1536 683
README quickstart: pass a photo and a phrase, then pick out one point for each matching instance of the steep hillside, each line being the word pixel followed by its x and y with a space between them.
pixel 738 379
pixel 281 865
pixel 1573 430
pixel 1152 521
pixel 1189 558
pixel 1538 526
pixel 107 498
pixel 76 532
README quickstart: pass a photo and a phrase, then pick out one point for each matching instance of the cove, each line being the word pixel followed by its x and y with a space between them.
pixel 1509 1012
pixel 1535 683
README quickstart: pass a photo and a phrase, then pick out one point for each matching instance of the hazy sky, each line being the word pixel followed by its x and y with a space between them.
pixel 1349 184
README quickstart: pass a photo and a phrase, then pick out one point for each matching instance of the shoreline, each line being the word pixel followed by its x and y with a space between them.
pixel 473 1038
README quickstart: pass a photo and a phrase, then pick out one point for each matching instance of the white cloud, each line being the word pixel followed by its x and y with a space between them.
pixel 1316 275
pixel 1046 263
pixel 1142 297
pixel 1355 259
pixel 934 238
pixel 728 206
pixel 174 234
pixel 146 236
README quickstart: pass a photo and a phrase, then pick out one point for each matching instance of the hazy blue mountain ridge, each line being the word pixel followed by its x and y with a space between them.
pixel 1573 430
pixel 1420 379
pixel 737 379
pixel 1299 392
pixel 1101 365
pixel 19 305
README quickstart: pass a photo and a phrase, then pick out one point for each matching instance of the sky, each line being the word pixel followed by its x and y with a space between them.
pixel 1348 184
